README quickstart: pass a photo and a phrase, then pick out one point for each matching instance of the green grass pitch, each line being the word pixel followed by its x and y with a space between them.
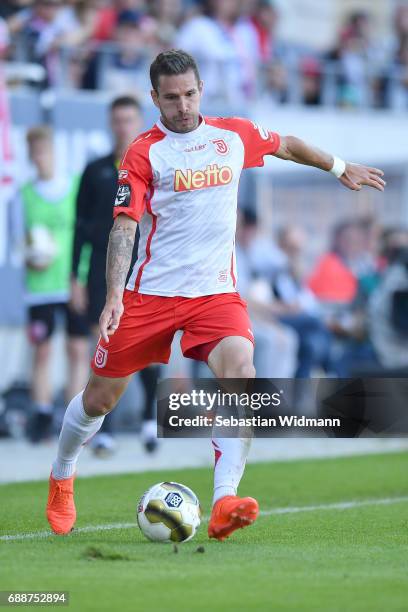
pixel 322 559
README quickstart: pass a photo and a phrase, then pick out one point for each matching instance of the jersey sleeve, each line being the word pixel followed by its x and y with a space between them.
pixel 257 141
pixel 134 181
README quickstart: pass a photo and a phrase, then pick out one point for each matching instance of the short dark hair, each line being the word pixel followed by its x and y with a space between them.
pixel 125 101
pixel 175 61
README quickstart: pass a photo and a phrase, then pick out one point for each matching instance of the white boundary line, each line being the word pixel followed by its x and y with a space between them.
pixel 346 505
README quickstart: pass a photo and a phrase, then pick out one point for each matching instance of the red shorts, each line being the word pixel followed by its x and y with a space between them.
pixel 149 322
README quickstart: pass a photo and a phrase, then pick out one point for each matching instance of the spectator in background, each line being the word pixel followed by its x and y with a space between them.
pixel 125 67
pixel 401 20
pixel 394 82
pixel 48 204
pixel 4 38
pixel 356 56
pixel 41 30
pixel 333 279
pixel 121 66
pixel 393 241
pixel 10 7
pixel 270 54
pixel 275 344
pixel 5 124
pixel 85 13
pixel 397 95
pixel 388 304
pixel 108 18
pixel 76 45
pixel 337 281
pixel 369 266
pixel 94 219
pixel 226 48
pixel 299 308
pixel 289 284
pixel 275 83
pixel 168 15
pixel 264 18
pixel 294 310
pixel 311 81
pixel 389 318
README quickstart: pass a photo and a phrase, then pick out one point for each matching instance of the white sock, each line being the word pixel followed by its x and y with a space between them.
pixel 149 430
pixel 230 459
pixel 77 429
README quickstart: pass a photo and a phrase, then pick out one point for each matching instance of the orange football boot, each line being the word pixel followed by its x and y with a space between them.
pixel 61 511
pixel 230 513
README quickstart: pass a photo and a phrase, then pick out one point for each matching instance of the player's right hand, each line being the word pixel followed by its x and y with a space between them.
pixel 110 317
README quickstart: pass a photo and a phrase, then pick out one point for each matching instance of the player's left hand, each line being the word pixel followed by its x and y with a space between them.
pixel 355 176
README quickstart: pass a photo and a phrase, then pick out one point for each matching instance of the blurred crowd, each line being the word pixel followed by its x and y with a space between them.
pixel 345 316
pixel 108 45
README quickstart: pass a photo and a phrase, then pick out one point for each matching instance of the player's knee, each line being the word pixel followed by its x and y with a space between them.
pixel 98 401
pixel 240 369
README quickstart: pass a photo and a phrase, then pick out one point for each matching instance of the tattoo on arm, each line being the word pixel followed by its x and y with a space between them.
pixel 120 248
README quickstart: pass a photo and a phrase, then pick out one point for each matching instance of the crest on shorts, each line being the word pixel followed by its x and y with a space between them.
pixel 101 356
pixel 221 146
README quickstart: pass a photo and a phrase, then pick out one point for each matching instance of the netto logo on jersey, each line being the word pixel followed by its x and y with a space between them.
pixel 212 176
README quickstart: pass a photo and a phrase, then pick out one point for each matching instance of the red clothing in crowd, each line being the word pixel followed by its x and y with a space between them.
pixel 332 281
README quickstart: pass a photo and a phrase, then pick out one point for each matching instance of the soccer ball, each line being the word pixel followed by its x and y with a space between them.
pixel 169 512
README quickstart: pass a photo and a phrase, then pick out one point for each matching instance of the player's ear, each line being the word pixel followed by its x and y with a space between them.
pixel 155 97
pixel 200 86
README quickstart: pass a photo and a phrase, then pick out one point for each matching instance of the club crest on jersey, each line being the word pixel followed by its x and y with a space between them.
pixel 101 356
pixel 123 174
pixel 212 176
pixel 220 146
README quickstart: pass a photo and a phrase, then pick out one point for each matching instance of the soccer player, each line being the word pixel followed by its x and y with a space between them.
pixel 179 182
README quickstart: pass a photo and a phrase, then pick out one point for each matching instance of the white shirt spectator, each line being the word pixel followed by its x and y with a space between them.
pixel 226 56
pixel 48 32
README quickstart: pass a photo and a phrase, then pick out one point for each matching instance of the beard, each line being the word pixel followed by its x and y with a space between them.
pixel 181 123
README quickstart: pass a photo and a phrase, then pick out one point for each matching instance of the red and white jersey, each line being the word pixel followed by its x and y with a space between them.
pixel 182 189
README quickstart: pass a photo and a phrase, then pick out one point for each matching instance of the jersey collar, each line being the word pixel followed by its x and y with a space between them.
pixel 182 135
